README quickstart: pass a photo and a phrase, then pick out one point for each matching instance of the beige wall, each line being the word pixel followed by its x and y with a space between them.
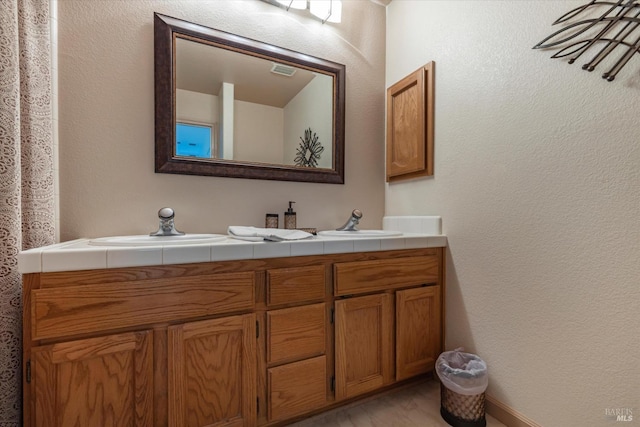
pixel 311 109
pixel 196 107
pixel 537 177
pixel 107 180
pixel 258 132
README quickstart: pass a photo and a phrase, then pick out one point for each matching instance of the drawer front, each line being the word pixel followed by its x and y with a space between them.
pixel 295 285
pixel 90 308
pixel 297 388
pixel 378 275
pixel 296 333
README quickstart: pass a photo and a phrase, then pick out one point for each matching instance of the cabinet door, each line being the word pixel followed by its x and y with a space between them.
pixel 364 358
pixel 418 327
pixel 105 381
pixel 410 125
pixel 212 372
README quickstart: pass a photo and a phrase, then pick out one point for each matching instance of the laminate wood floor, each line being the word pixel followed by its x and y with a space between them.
pixel 415 406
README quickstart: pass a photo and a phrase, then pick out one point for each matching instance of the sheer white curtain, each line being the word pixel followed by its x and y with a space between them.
pixel 27 215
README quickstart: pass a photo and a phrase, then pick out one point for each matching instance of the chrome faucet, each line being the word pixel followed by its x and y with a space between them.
pixel 167 226
pixel 352 222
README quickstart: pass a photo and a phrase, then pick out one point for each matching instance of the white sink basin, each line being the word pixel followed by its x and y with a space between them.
pixel 360 233
pixel 146 240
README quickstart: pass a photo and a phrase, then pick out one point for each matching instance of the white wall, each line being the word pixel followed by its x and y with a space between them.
pixel 106 119
pixel 226 104
pixel 537 177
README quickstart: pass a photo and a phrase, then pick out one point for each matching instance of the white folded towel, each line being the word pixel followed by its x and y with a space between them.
pixel 255 234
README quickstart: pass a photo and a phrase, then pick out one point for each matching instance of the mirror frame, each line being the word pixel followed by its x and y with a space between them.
pixel 166 29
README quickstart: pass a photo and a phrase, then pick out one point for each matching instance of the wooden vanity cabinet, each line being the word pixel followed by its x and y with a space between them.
pixel 260 342
pixel 392 333
pixel 147 346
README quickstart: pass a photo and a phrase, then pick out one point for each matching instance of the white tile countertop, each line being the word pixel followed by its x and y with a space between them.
pixel 80 255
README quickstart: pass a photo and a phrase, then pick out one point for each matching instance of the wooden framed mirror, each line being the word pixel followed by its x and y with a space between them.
pixel 230 106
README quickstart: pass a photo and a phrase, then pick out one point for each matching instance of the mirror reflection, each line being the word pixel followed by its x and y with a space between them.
pixel 239 107
pixel 236 107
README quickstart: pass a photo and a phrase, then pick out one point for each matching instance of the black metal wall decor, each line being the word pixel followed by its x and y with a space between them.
pixel 309 151
pixel 617 27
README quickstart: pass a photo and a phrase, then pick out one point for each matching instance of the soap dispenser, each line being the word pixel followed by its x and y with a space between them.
pixel 290 218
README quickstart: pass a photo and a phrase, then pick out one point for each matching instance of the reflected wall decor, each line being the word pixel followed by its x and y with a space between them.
pixel 605 26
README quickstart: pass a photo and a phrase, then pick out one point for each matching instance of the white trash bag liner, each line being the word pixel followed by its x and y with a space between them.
pixel 462 373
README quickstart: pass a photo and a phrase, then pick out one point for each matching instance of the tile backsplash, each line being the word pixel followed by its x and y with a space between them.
pixel 431 225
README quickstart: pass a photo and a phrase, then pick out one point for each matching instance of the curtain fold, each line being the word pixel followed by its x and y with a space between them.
pixel 27 201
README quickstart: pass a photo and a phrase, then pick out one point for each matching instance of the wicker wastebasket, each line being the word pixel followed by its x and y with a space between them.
pixel 460 410
pixel 463 380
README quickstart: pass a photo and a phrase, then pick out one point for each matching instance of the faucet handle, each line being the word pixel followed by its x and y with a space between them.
pixel 352 222
pixel 166 214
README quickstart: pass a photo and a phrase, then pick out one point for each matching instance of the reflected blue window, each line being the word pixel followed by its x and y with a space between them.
pixel 193 140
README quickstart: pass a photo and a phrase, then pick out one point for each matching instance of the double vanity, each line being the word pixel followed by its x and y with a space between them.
pixel 226 333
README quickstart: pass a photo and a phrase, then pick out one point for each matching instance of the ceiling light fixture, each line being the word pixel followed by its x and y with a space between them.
pixel 325 10
pixel 296 4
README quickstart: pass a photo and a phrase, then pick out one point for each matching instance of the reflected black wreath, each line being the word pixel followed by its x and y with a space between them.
pixel 309 151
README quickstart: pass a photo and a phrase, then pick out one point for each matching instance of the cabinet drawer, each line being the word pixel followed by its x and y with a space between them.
pixel 295 285
pixel 297 388
pixel 379 275
pixel 90 308
pixel 295 333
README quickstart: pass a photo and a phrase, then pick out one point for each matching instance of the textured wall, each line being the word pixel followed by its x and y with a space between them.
pixel 107 180
pixel 537 177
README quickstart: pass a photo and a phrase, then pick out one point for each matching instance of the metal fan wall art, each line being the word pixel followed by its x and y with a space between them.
pixel 615 29
pixel 309 151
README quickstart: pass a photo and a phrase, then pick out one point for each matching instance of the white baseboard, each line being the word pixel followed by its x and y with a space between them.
pixel 506 414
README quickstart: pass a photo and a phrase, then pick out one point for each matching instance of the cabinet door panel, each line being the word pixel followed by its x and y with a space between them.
pixel 106 381
pixel 297 388
pixel 212 372
pixel 364 347
pixel 418 329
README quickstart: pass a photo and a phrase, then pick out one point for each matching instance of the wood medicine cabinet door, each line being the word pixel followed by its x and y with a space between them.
pixel 410 125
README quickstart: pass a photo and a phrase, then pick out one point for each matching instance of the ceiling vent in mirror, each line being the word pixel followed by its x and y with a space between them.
pixel 283 70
